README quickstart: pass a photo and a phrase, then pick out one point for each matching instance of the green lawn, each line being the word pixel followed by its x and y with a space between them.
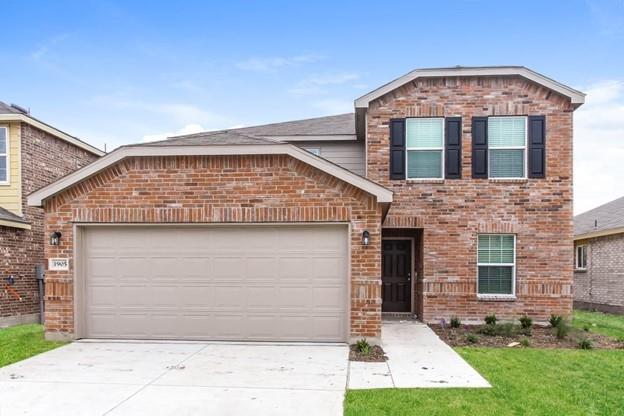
pixel 23 341
pixel 525 382
pixel 602 323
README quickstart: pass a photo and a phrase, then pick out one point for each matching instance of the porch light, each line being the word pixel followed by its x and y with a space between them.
pixel 365 237
pixel 55 237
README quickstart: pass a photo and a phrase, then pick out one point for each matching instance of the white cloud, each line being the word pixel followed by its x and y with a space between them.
pixel 334 106
pixel 599 146
pixel 187 129
pixel 275 63
pixel 316 85
pixel 47 45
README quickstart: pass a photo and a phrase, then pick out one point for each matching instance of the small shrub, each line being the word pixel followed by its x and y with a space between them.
pixel 525 342
pixel 562 329
pixel 490 319
pixel 489 330
pixel 555 320
pixel 586 328
pixel 507 330
pixel 472 338
pixel 455 322
pixel 443 323
pixel 526 322
pixel 363 346
pixel 528 332
pixel 585 344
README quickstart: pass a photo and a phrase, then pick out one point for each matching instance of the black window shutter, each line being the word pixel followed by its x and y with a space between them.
pixel 397 148
pixel 479 147
pixel 537 147
pixel 452 147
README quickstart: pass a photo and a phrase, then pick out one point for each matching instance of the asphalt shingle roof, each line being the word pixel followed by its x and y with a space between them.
pixel 342 124
pixel 604 217
pixel 7 109
pixel 7 215
pixel 213 138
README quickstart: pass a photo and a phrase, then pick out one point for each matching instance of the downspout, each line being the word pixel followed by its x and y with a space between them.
pixel 40 275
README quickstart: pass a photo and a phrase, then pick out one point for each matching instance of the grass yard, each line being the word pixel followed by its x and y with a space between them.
pixel 23 341
pixel 602 323
pixel 525 381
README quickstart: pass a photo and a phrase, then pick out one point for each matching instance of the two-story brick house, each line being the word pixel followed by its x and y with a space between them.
pixel 448 192
pixel 32 155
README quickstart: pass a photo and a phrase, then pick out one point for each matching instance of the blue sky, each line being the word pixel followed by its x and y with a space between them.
pixel 122 72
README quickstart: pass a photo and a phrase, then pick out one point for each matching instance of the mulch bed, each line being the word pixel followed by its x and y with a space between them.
pixel 376 354
pixel 541 337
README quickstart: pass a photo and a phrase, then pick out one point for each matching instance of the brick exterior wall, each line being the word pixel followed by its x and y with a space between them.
pixel 217 189
pixel 45 158
pixel 453 212
pixel 601 285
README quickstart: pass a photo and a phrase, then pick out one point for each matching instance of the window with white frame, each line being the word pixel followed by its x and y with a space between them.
pixel 425 148
pixel 507 145
pixel 4 155
pixel 496 264
pixel 581 257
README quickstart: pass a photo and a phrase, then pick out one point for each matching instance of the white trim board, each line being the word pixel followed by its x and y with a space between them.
pixel 575 96
pixel 382 194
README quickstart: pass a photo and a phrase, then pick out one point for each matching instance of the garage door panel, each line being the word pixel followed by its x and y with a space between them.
pixel 225 283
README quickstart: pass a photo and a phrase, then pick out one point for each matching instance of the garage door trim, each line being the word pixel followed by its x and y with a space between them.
pixel 80 250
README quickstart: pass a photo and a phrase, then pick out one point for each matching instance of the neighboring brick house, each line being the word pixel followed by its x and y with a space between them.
pixel 447 193
pixel 32 155
pixel 599 258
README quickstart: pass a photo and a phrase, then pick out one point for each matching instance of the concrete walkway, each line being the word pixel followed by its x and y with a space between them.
pixel 134 378
pixel 416 358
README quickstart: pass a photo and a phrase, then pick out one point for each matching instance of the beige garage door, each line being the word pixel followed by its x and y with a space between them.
pixel 273 283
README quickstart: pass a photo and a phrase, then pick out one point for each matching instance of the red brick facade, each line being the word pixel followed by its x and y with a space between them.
pixel 45 159
pixel 453 212
pixel 217 189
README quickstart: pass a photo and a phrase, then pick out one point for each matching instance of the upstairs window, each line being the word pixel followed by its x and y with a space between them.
pixel 581 258
pixel 4 155
pixel 425 148
pixel 496 264
pixel 507 142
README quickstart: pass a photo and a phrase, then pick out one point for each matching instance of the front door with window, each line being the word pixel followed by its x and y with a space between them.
pixel 396 278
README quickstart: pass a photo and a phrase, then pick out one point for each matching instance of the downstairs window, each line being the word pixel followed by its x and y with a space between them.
pixel 496 264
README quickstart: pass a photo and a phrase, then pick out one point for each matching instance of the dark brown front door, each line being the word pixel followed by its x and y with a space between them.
pixel 396 278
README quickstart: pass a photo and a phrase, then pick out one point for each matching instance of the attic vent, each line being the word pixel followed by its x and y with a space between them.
pixel 595 223
pixel 20 109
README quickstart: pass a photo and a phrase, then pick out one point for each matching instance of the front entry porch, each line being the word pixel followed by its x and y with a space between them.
pixel 401 277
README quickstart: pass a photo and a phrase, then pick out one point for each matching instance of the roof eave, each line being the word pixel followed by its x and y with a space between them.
pixel 601 233
pixel 53 131
pixel 577 98
pixel 382 194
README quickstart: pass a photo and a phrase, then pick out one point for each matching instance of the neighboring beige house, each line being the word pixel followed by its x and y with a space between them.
pixel 32 155
pixel 599 258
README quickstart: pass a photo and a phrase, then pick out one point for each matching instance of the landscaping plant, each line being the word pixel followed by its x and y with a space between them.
pixel 585 344
pixel 490 319
pixel 562 329
pixel 363 346
pixel 455 322
pixel 472 338
pixel 555 320
pixel 526 322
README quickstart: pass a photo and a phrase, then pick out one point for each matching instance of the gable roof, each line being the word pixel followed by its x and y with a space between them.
pixel 337 127
pixel 603 220
pixel 218 144
pixel 13 113
pixel 575 96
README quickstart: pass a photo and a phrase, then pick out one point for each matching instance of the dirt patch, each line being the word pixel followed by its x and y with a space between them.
pixel 376 354
pixel 538 337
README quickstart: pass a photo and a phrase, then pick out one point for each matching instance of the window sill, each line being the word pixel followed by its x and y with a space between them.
pixel 415 180
pixel 497 298
pixel 580 270
pixel 509 180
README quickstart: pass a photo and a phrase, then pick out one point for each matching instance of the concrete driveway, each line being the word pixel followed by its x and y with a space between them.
pixel 133 378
